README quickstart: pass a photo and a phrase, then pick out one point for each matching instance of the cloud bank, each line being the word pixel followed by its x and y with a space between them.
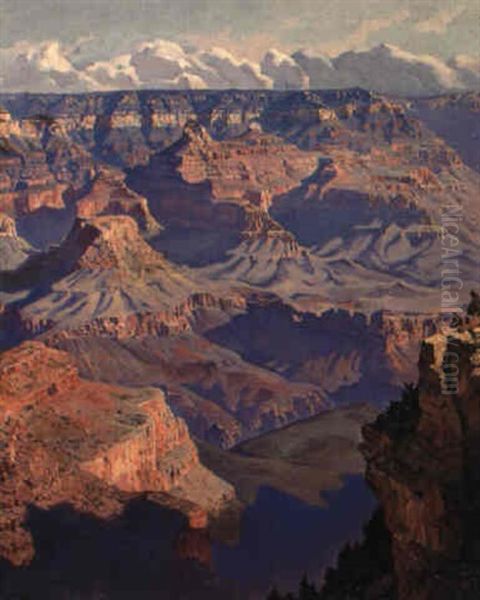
pixel 50 67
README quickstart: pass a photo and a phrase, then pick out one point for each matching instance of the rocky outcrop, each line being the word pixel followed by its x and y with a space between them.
pixel 13 249
pixel 31 375
pixel 26 182
pixel 109 195
pixel 254 166
pixel 107 282
pixel 68 440
pixel 179 319
pixel 206 183
pixel 404 334
pixel 223 398
pixel 39 162
pixel 7 226
pixel 422 461
pixel 104 244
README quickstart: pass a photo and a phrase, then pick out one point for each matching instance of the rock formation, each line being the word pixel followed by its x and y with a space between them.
pixel 204 183
pixel 65 439
pixel 215 163
pixel 26 183
pixel 13 249
pixel 109 195
pixel 328 198
pixel 297 266
pixel 102 269
pixel 422 461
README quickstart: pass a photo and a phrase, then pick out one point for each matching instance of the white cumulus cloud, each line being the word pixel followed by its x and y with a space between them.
pixel 389 69
pixel 319 69
pixel 234 72
pixel 159 64
pixel 114 74
pixel 40 67
pixel 284 71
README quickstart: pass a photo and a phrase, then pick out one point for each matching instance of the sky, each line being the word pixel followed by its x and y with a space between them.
pixel 417 47
pixel 96 29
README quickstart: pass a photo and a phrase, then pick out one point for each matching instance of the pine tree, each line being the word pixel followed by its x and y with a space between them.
pixel 307 590
pixel 473 309
pixel 274 594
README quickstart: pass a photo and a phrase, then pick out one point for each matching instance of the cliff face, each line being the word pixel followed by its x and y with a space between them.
pixel 26 182
pixel 320 198
pixel 109 195
pixel 108 272
pixel 422 461
pixel 68 440
pixel 240 169
pixel 105 283
pixel 205 183
pixel 222 397
pixel 112 300
pixel 13 249
pixel 462 109
pixel 403 334
pixel 254 166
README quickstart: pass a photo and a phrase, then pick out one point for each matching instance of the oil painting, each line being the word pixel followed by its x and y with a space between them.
pixel 239 299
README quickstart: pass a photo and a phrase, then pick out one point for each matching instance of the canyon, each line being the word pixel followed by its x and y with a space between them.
pixel 190 281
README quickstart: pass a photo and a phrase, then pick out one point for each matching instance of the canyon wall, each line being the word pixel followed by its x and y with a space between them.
pixel 422 461
pixel 92 445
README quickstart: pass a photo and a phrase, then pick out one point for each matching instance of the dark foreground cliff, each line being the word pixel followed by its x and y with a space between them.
pixel 422 458
pixel 422 461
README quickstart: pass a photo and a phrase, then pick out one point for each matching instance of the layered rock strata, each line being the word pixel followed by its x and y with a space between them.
pixel 92 445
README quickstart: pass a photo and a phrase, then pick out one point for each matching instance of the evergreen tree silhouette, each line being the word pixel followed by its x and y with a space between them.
pixel 307 590
pixel 274 594
pixel 473 308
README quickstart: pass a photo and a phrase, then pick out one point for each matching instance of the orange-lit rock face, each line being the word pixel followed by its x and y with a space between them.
pixel 155 458
pixel 253 167
pixel 227 185
pixel 403 337
pixel 32 373
pixel 13 127
pixel 389 173
pixel 112 243
pixel 46 194
pixel 26 182
pixel 110 196
pixel 65 439
pixel 102 243
pixel 421 462
pixel 134 432
pixel 7 226
pixel 39 163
